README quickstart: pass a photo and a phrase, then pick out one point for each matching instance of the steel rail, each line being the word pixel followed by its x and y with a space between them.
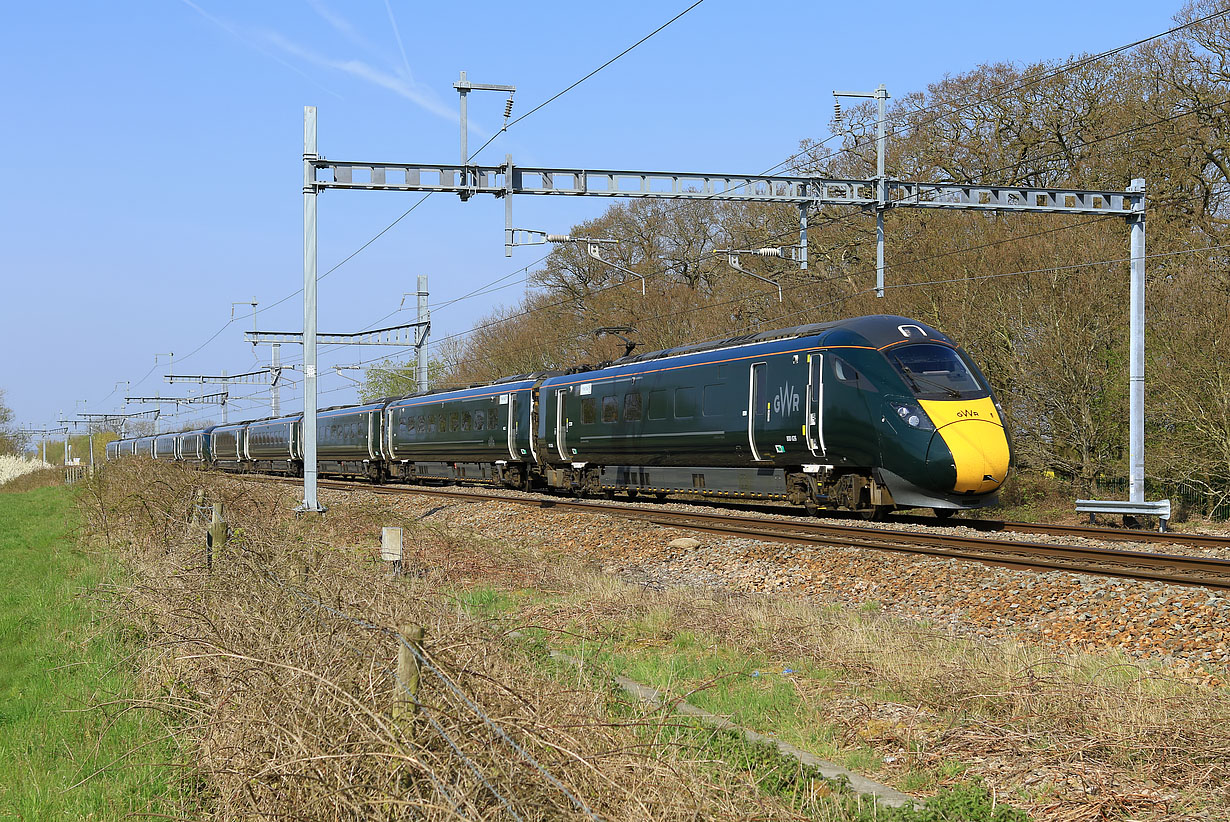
pixel 1205 572
pixel 1095 532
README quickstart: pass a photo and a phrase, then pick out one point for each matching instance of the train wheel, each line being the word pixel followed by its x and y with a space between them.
pixel 877 513
pixel 632 492
pixel 661 495
pixel 944 513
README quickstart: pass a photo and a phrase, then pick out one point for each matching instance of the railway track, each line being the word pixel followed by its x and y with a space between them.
pixel 1204 572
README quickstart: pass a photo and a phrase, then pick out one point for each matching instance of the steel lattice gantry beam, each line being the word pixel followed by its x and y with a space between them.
pixel 213 399
pixel 813 191
pixel 247 378
pixel 410 334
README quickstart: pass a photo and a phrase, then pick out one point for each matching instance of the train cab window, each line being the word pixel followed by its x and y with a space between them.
pixel 632 406
pixel 685 403
pixel 659 405
pixel 711 400
pixel 589 414
pixel 936 372
pixel 467 421
pixel 610 409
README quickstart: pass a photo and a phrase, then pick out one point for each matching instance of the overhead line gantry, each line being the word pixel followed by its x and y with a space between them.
pixel 877 194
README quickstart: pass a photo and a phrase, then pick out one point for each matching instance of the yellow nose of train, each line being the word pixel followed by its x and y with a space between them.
pixel 974 433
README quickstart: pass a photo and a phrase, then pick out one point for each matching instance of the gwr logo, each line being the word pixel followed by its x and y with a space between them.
pixel 787 400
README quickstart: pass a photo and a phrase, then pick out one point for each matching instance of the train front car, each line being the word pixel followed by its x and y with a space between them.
pixel 943 443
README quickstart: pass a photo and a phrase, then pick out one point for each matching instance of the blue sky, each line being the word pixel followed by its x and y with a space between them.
pixel 153 150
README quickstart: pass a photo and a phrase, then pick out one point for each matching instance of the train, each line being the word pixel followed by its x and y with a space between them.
pixel 866 415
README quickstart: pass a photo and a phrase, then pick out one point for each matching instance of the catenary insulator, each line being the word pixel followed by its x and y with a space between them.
pixel 837 110
pixel 768 252
pixel 508 108
pixel 559 238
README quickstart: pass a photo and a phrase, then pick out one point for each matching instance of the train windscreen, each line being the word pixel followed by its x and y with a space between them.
pixel 936 372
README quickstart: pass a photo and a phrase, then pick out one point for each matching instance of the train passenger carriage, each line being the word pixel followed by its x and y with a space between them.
pixel 479 433
pixel 348 440
pixel 112 450
pixel 194 446
pixel 863 415
pixel 144 447
pixel 275 445
pixel 166 447
pixel 226 446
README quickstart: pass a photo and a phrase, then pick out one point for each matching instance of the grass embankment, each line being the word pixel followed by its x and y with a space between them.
pixel 968 725
pixel 61 755
pixel 1067 736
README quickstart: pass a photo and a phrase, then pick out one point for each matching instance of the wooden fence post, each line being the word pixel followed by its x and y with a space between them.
pixel 408 672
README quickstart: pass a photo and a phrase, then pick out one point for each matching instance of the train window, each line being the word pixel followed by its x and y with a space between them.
pixel 431 423
pixel 480 420
pixel 407 425
pixel 850 375
pixel 659 405
pixel 632 406
pixel 452 421
pixel 589 413
pixel 936 371
pixel 685 403
pixel 467 421
pixel 711 404
pixel 759 390
pixel 610 409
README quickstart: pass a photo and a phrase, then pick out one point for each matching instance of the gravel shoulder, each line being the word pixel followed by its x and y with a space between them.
pixel 1185 630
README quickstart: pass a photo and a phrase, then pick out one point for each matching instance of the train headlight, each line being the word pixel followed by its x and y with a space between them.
pixel 913 416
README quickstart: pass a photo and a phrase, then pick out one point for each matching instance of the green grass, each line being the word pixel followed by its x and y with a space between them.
pixel 801 787
pixel 57 660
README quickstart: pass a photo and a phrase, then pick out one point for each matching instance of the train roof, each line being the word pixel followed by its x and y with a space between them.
pixel 878 330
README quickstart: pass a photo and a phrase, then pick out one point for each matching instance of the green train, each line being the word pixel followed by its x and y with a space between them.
pixel 868 415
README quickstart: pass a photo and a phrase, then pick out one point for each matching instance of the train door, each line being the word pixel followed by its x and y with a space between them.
pixel 512 427
pixel 561 424
pixel 757 407
pixel 845 420
pixel 815 404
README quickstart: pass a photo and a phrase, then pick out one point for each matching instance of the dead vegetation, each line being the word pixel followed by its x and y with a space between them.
pixel 1068 737
pixel 273 672
pixel 281 703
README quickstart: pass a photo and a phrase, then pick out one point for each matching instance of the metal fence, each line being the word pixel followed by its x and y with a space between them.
pixel 1187 497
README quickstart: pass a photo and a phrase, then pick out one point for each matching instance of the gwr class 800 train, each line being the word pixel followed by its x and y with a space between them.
pixel 866 415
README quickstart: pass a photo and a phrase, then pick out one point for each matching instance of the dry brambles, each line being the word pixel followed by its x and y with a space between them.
pixel 279 704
